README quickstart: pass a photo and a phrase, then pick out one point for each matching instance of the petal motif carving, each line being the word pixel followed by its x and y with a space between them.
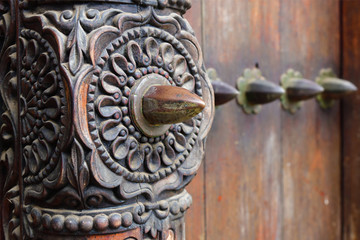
pixel 82 149
pixel 42 106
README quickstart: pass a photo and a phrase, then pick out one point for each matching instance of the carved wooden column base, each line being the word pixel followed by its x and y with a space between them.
pixel 79 159
pixel 178 227
pixel 156 220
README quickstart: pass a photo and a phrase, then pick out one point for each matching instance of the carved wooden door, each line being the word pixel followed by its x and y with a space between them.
pixel 277 175
pixel 105 108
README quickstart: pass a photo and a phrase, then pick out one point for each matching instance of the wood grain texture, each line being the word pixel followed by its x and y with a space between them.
pixel 351 121
pixel 274 175
pixel 76 77
pixel 311 138
pixel 195 217
pixel 243 157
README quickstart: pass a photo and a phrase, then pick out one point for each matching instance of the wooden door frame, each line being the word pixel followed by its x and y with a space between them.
pixel 350 70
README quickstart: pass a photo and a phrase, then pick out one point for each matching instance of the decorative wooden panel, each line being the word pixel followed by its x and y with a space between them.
pixel 82 155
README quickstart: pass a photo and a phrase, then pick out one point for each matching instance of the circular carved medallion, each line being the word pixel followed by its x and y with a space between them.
pixel 143 52
pixel 43 107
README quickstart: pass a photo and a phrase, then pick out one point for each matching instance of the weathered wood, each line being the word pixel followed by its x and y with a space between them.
pixel 311 138
pixel 243 161
pixel 86 167
pixel 196 213
pixel 351 121
pixel 276 176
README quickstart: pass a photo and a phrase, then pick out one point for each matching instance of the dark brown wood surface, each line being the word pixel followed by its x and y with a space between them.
pixel 69 63
pixel 311 138
pixel 243 184
pixel 273 175
pixel 351 121
pixel 195 217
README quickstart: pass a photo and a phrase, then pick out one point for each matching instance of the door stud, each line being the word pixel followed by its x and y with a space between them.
pixel 297 90
pixel 223 92
pixel 334 88
pixel 255 91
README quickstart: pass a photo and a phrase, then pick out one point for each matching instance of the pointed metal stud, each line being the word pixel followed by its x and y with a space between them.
pixel 334 88
pixel 297 90
pixel 155 105
pixel 255 90
pixel 223 92
pixel 169 105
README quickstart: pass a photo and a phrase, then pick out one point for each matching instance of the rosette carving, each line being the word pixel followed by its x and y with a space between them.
pixel 43 107
pixel 82 147
pixel 127 144
pixel 123 57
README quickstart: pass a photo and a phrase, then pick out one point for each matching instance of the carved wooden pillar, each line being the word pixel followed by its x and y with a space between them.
pixel 92 146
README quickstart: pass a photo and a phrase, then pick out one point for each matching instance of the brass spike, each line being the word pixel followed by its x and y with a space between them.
pixel 169 105
pixel 223 92
pixel 259 91
pixel 334 88
pixel 298 89
pixel 255 90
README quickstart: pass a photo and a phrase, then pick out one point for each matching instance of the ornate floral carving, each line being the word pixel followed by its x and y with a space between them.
pixel 43 106
pixel 81 148
pixel 155 216
pixel 7 24
pixel 123 56
pixel 76 24
pixel 132 154
pixel 180 5
pixel 9 181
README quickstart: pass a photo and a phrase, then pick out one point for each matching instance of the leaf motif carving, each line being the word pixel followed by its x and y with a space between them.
pixel 111 129
pixel 77 170
pixel 120 64
pixel 180 67
pixel 122 145
pixel 77 43
pixel 134 52
pixel 167 53
pixel 113 84
pixel 152 50
pixel 144 45
pixel 153 161
pixel 188 126
pixel 136 157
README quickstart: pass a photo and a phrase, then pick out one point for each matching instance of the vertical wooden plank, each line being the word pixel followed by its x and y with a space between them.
pixel 195 216
pixel 273 176
pixel 351 121
pixel 311 138
pixel 243 156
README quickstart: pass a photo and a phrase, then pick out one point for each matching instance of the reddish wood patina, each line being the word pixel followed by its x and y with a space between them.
pixel 275 175
pixel 351 121
pixel 106 107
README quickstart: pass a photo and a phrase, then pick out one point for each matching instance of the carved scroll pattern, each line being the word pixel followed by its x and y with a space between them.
pixel 9 177
pixel 136 157
pixel 180 5
pixel 81 150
